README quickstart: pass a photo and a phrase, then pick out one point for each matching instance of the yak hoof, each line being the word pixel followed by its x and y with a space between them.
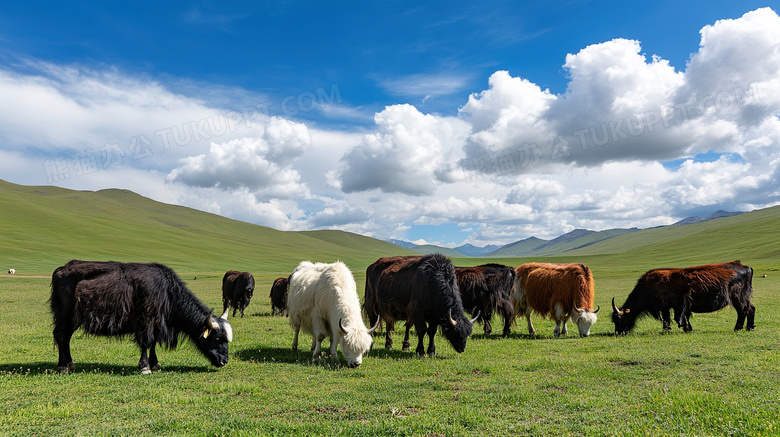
pixel 146 371
pixel 156 368
pixel 68 368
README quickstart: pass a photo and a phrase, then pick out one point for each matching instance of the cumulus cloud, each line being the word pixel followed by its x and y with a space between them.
pixel 411 153
pixel 260 164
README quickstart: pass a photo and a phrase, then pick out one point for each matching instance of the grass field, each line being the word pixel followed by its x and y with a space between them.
pixel 709 382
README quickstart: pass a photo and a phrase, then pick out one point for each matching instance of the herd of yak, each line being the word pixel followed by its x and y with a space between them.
pixel 151 303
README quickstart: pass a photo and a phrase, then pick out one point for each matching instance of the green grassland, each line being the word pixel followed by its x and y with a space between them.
pixel 712 381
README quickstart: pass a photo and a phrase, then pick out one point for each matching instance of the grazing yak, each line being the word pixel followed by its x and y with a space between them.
pixel 558 291
pixel 279 296
pixel 323 301
pixel 422 290
pixel 487 288
pixel 13 272
pixel 148 301
pixel 237 290
pixel 700 289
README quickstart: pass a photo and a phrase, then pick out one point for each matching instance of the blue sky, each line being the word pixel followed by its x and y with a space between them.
pixel 437 122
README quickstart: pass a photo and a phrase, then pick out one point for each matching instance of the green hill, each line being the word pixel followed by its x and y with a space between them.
pixel 518 248
pixel 44 227
pixel 753 237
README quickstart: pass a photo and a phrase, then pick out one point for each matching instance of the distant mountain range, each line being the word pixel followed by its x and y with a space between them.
pixel 533 246
pixel 716 215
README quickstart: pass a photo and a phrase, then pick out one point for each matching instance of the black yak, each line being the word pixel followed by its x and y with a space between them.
pixel 422 290
pixel 148 301
pixel 237 290
pixel 278 296
pixel 487 288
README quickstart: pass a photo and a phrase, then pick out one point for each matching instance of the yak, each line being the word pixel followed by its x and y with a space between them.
pixel 323 301
pixel 487 288
pixel 558 291
pixel 700 289
pixel 421 290
pixel 149 301
pixel 279 296
pixel 237 290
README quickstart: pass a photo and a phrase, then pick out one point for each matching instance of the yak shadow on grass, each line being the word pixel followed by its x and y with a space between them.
pixel 41 368
pixel 303 355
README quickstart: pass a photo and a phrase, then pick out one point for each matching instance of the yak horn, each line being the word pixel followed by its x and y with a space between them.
pixel 341 327
pixel 597 309
pixel 614 307
pixel 224 315
pixel 210 322
pixel 475 318
pixel 452 321
pixel 376 325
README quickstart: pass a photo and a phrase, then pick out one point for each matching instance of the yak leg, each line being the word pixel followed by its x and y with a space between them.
pixel 295 338
pixel 685 322
pixel 316 348
pixel 421 329
pixel 487 327
pixel 319 332
pixel 242 312
pixel 531 329
pixel 557 332
pixel 431 333
pixel 507 326
pixel 153 363
pixel 143 363
pixel 405 346
pixel 666 320
pixel 389 335
pixel 62 342
pixel 750 313
pixel 507 312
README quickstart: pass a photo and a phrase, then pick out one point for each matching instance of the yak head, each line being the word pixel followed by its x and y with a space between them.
pixel 623 319
pixel 458 331
pixel 356 340
pixel 213 343
pixel 584 319
pixel 249 291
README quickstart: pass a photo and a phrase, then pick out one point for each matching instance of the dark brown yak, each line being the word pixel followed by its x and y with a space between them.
pixel 700 289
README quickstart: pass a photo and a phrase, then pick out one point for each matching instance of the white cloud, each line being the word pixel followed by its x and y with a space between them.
pixel 261 165
pixel 425 85
pixel 411 153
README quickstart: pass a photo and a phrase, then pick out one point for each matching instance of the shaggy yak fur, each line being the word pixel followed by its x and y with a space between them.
pixel 487 288
pixel 148 301
pixel 420 290
pixel 700 289
pixel 323 301
pixel 558 291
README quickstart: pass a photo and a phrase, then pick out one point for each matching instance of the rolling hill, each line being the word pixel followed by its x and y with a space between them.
pixel 44 227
